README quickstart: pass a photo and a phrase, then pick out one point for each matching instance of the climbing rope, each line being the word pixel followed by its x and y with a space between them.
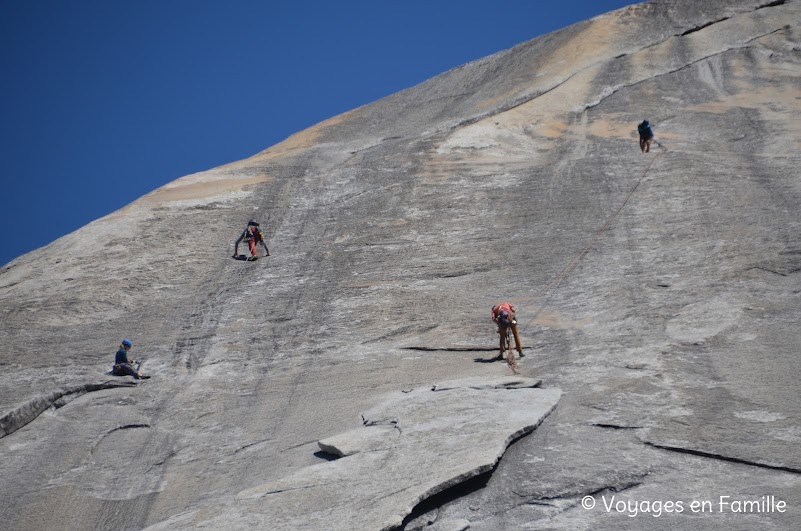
pixel 554 284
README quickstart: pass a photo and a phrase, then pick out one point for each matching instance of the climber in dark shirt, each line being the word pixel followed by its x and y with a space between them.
pixel 646 136
pixel 123 366
pixel 252 235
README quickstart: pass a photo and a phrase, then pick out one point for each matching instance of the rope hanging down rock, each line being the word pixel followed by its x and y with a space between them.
pixel 554 284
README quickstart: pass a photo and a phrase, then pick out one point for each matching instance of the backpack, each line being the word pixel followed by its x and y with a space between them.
pixel 644 128
pixel 258 234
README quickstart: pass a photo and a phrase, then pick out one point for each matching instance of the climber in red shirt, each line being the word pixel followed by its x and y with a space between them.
pixel 503 315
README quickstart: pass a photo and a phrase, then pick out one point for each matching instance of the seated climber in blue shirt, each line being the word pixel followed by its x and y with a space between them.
pixel 123 366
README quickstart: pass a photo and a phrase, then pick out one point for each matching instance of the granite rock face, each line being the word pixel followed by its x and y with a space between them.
pixel 452 435
pixel 660 293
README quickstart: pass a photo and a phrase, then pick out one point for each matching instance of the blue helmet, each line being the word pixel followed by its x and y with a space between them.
pixel 127 342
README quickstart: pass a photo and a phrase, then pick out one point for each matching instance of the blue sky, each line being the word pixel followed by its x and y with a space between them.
pixel 105 100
